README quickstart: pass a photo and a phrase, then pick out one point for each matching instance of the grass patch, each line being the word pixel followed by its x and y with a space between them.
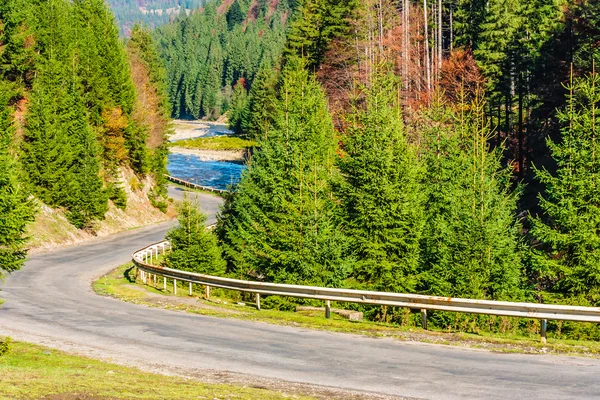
pixel 216 143
pixel 121 283
pixel 34 372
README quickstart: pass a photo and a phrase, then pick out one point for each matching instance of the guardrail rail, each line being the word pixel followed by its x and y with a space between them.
pixel 143 260
pixel 194 186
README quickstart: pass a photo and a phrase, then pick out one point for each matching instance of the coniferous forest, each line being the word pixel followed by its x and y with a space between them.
pixel 72 115
pixel 436 147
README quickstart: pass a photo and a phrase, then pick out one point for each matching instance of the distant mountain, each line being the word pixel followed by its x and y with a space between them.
pixel 149 12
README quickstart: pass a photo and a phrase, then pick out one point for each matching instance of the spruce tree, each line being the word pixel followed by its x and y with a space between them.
pixel 569 228
pixel 239 107
pixel 281 223
pixel 380 192
pixel 194 248
pixel 16 209
pixel 261 105
pixel 470 244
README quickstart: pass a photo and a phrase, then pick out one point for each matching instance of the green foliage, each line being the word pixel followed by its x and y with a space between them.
pixel 316 24
pixel 281 222
pixel 261 107
pixel 60 150
pixel 194 248
pixel 5 345
pixel 239 107
pixel 234 15
pixel 72 71
pixel 380 192
pixel 206 54
pixel 569 228
pixel 470 245
pixel 16 209
pixel 128 13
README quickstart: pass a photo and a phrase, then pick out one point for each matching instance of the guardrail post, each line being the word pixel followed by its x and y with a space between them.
pixel 174 286
pixel 424 318
pixel 327 309
pixel 543 330
pixel 207 291
pixel 190 288
pixel 165 284
pixel 154 279
pixel 258 301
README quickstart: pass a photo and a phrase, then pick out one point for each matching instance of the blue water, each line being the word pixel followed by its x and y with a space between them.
pixel 216 174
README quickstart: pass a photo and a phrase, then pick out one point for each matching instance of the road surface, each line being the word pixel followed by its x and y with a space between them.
pixel 51 302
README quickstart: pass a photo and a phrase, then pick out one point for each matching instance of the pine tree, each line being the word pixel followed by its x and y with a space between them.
pixel 235 16
pixel 470 245
pixel 16 209
pixel 281 222
pixel 261 105
pixel 569 228
pixel 380 192
pixel 194 248
pixel 239 107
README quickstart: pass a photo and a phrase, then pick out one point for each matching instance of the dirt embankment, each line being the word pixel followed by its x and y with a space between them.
pixel 51 227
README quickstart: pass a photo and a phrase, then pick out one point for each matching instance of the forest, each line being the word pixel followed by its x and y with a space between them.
pixel 77 107
pixel 210 54
pixel 150 13
pixel 443 148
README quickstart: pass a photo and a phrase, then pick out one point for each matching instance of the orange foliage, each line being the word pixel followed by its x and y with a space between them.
pixel 148 108
pixel 113 137
pixel 460 74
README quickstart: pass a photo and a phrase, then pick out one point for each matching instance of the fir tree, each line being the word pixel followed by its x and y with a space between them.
pixel 235 16
pixel 380 192
pixel 16 209
pixel 470 244
pixel 239 107
pixel 281 222
pixel 261 105
pixel 569 228
pixel 194 248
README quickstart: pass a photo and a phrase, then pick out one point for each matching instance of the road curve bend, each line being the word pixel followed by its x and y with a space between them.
pixel 51 302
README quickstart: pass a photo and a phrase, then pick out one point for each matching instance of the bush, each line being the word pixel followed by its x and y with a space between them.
pixel 5 345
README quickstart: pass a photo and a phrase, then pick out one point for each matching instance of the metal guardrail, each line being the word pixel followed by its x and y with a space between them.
pixel 194 186
pixel 143 260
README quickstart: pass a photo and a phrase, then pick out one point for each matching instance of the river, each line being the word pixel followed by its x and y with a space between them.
pixel 211 173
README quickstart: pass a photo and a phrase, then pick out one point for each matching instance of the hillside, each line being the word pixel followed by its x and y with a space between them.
pixel 151 13
pixel 213 57
pixel 83 122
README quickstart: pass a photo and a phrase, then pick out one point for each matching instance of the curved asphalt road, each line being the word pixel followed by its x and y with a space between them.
pixel 50 302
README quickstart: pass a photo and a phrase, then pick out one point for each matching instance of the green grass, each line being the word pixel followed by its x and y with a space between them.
pixel 33 372
pixel 121 284
pixel 216 143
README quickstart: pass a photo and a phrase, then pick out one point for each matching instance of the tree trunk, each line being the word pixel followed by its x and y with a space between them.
pixel 427 64
pixel 439 32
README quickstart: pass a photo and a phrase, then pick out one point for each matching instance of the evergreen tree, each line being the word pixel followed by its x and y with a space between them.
pixel 261 105
pixel 315 25
pixel 239 107
pixel 194 248
pixel 569 228
pixel 235 16
pixel 281 222
pixel 48 156
pixel 380 192
pixel 470 244
pixel 16 209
